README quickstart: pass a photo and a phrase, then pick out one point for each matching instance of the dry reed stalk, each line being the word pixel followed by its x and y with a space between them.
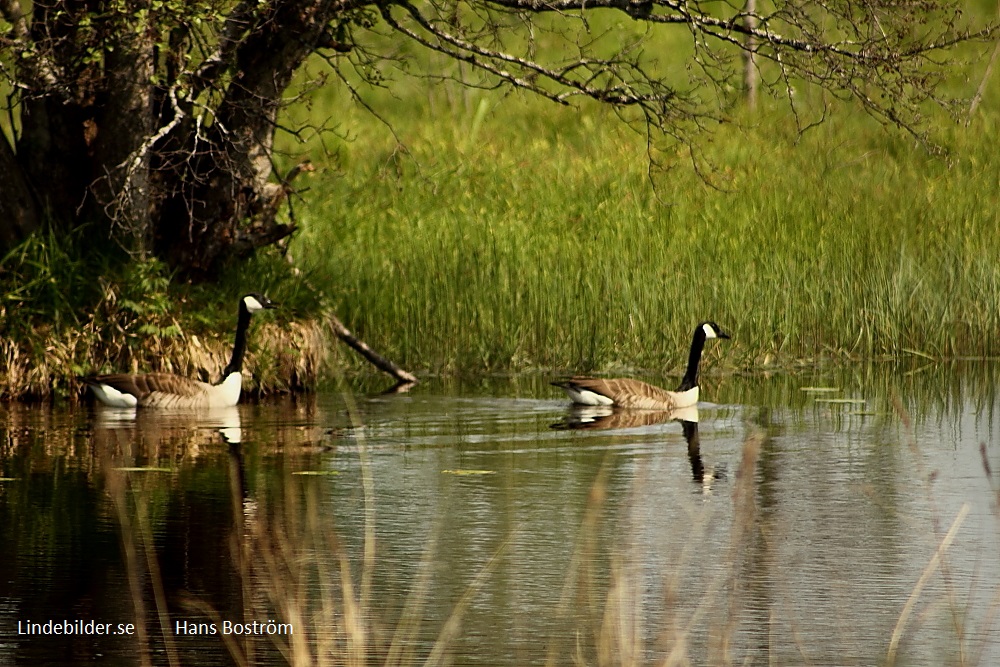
pixel 118 488
pixel 579 576
pixel 938 561
pixel 744 529
pixel 619 640
pixel 153 568
pixel 401 651
pixel 453 624
pixel 934 564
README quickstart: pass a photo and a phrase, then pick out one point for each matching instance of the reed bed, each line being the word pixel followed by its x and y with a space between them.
pixel 515 236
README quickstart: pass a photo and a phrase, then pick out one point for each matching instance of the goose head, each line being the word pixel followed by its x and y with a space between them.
pixel 253 302
pixel 712 330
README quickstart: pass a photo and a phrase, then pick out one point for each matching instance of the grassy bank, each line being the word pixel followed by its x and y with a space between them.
pixel 69 312
pixel 509 235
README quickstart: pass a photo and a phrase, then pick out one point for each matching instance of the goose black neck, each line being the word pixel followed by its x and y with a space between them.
pixel 690 380
pixel 694 450
pixel 240 346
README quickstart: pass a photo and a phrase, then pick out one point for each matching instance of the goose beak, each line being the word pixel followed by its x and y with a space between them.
pixel 722 334
pixel 267 303
pixel 254 302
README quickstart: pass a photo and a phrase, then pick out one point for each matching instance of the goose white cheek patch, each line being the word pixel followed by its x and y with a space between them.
pixel 253 305
pixel 709 331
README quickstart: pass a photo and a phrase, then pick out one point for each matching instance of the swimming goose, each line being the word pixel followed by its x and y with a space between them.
pixel 166 390
pixel 629 393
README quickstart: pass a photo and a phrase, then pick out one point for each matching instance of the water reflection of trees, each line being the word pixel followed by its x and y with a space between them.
pixel 121 516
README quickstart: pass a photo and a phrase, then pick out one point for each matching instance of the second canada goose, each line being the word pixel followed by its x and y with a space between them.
pixel 629 393
pixel 166 390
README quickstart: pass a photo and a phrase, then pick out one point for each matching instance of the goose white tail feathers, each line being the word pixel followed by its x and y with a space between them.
pixel 635 394
pixel 166 390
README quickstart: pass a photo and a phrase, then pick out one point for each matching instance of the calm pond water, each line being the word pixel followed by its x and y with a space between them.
pixel 825 518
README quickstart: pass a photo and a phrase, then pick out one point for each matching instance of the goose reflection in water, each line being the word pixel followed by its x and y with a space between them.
pixel 608 418
pixel 193 428
pixel 132 436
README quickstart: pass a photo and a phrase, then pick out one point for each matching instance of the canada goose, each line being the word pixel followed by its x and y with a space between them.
pixel 629 393
pixel 166 390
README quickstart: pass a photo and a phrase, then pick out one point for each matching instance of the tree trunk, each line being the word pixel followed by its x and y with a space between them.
pixel 122 126
pixel 751 76
pixel 54 156
pixel 56 111
pixel 18 208
pixel 117 129
pixel 229 182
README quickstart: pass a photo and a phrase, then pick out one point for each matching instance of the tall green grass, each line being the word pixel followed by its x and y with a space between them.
pixel 512 235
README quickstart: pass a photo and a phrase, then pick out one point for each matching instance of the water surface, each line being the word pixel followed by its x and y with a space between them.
pixel 795 520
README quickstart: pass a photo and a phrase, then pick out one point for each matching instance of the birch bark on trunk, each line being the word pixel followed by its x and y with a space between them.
pixel 751 77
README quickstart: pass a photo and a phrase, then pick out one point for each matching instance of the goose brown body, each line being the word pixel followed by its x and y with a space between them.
pixel 166 390
pixel 627 393
pixel 639 395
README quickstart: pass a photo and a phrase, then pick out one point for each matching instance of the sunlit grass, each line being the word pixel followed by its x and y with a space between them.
pixel 525 237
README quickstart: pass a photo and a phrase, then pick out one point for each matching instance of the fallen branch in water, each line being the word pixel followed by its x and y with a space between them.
pixel 380 362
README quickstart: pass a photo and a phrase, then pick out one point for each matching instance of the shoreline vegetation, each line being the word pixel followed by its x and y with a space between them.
pixel 523 238
pixel 505 235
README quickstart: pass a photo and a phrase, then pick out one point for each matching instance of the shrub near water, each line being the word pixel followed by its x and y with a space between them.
pixel 68 312
pixel 534 238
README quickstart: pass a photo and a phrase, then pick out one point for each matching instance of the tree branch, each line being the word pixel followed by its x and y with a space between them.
pixel 42 72
pixel 483 58
pixel 878 52
pixel 371 355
